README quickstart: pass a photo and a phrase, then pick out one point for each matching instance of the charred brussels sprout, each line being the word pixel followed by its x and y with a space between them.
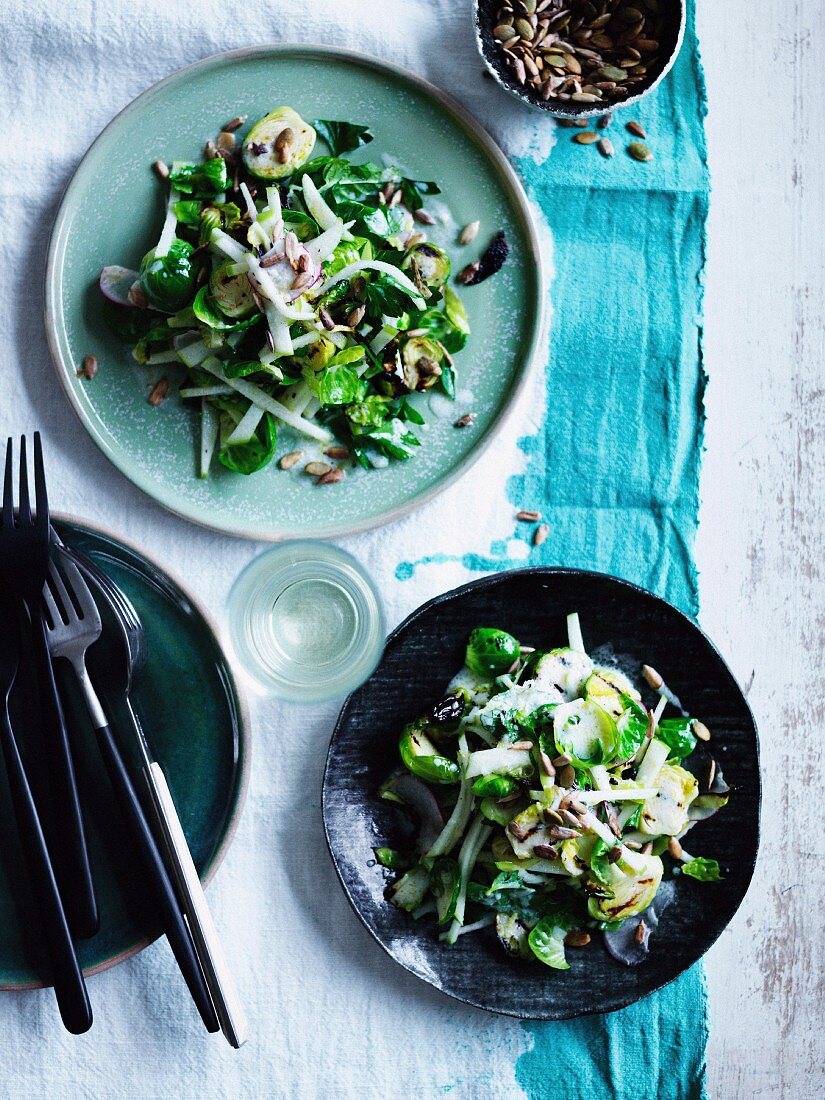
pixel 423 759
pixel 491 652
pixel 232 293
pixel 421 360
pixel 429 263
pixel 631 893
pixel 169 281
pixel 278 144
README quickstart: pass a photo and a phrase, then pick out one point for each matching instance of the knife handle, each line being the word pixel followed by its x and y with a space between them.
pixel 210 950
pixel 71 852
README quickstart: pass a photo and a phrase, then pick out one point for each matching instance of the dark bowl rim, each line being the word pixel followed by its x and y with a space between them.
pixel 491 581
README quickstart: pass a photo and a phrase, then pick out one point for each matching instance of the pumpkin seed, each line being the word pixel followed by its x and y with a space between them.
pixel 504 32
pixel 586 137
pixel 523 29
pixel 610 72
pixel 639 151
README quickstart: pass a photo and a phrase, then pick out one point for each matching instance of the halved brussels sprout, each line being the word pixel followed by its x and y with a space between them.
pixel 500 813
pixel 512 935
pixel 320 353
pixel 586 732
pixel 278 144
pixel 667 813
pixel 494 786
pixel 575 854
pixel 429 262
pixel 491 652
pixel 606 686
pixel 565 669
pixel 528 835
pixel 421 359
pixel 546 942
pixel 423 759
pixel 631 893
pixel 232 293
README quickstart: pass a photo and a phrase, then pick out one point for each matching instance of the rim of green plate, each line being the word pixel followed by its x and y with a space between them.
pixel 244 742
pixel 58 342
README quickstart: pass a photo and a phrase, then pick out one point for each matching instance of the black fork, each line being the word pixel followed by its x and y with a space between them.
pixel 24 560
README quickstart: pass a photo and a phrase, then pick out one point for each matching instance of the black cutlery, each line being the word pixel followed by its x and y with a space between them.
pixel 73 625
pixel 24 557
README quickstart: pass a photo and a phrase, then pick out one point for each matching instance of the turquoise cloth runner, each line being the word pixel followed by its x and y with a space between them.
pixel 615 473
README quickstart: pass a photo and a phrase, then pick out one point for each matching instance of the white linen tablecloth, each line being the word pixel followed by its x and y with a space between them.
pixel 330 1014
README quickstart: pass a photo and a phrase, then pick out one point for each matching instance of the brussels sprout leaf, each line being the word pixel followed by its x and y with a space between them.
pixel 342 137
pixel 705 870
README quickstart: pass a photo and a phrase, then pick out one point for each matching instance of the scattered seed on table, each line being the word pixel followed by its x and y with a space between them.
pixel 161 169
pixel 636 129
pixel 527 515
pixel 577 939
pixel 465 421
pixel 288 461
pixel 469 233
pixel 675 848
pixel 89 368
pixel 639 151
pixel 424 217
pixel 605 146
pixel 235 123
pixel 159 391
pixel 605 121
pixel 586 137
pixel 641 932
pixel 541 535
pixel 337 451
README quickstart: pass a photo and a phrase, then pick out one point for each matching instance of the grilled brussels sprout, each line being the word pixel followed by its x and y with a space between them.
pixel 565 669
pixel 421 359
pixel 491 652
pixel 606 686
pixel 232 293
pixel 586 732
pixel 278 144
pixel 631 893
pixel 429 262
pixel 422 757
pixel 512 935
pixel 667 813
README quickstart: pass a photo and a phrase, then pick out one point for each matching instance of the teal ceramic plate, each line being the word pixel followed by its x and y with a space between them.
pixel 112 212
pixel 204 755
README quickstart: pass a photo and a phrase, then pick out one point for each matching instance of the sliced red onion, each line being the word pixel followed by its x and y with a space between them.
pixel 421 800
pixel 115 283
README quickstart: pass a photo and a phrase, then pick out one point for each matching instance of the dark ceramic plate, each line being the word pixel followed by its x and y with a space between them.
pixel 421 656
pixel 190 709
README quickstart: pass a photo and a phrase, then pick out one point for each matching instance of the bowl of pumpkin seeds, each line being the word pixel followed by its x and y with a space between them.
pixel 579 58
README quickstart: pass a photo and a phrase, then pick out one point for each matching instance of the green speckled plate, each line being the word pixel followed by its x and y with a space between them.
pixel 112 212
pixel 204 756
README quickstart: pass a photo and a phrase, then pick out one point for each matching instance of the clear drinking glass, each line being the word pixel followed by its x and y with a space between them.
pixel 306 621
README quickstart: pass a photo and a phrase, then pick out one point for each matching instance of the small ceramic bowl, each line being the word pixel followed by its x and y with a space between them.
pixel 485 19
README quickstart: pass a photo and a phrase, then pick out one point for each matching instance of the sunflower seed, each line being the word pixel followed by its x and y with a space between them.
pixel 337 451
pixel 357 316
pixel 159 391
pixel 585 97
pixel 567 776
pixel 288 461
pixel 606 147
pixel 576 938
pixel 701 730
pixel 235 123
pixel 636 129
pixel 291 247
pixel 326 320
pixel 675 848
pixel 465 421
pixel 89 368
pixel 331 477
pixel 469 272
pixel 317 469
pixel 639 151
pixel 281 144
pixel 528 515
pixel 546 765
pixel 518 69
pixel 545 851
pixel 586 137
pixel 614 854
pixel 161 169
pixel 647 850
pixel 570 818
pixel 468 233
pixel 640 935
pixel 541 534
pixel 424 217
pixel 652 677
pixel 302 279
pixel 560 832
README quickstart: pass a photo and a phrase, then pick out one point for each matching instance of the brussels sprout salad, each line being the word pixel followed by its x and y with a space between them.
pixel 547 794
pixel 295 290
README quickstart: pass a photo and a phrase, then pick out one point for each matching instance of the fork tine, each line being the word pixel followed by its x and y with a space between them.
pixel 79 588
pixel 8 487
pixel 63 601
pixel 24 512
pixel 51 606
pixel 41 499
